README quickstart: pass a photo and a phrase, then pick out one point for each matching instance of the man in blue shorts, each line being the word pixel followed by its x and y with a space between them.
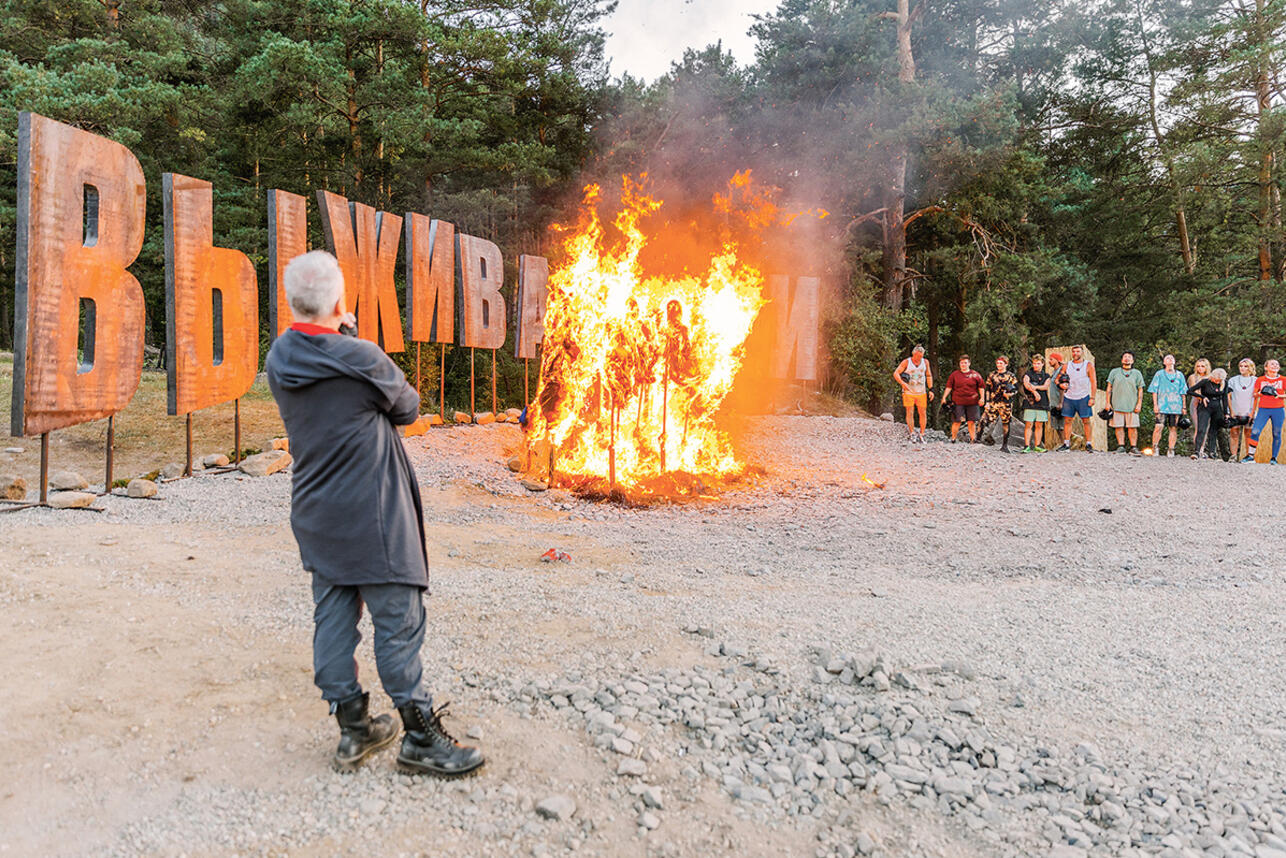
pixel 1078 398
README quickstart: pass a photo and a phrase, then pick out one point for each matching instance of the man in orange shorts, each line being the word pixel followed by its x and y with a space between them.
pixel 916 380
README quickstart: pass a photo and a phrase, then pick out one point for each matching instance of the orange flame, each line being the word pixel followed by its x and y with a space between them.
pixel 635 366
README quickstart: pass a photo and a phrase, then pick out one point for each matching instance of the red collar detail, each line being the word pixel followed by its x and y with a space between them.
pixel 311 329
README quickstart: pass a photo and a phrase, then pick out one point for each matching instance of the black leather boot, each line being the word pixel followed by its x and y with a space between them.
pixel 427 748
pixel 359 734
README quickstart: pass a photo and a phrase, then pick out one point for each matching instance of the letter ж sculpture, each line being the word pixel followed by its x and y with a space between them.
pixel 366 242
pixel 797 320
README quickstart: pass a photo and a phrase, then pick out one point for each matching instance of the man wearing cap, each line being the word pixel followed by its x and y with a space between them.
pixel 916 380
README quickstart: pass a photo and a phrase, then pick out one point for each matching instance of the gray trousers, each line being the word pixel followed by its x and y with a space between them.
pixel 397 612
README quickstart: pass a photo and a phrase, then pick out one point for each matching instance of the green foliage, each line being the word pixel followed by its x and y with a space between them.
pixel 475 112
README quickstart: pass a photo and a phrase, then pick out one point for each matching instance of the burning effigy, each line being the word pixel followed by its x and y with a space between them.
pixel 636 365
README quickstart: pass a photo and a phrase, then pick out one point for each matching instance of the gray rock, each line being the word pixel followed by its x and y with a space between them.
pixel 67 481
pixel 214 460
pixel 265 464
pixel 632 768
pixel 754 794
pixel 172 471
pixel 964 706
pixel 556 807
pixel 534 485
pixel 622 746
pixel 372 806
pixel 141 489
pixel 865 844
pixel 1064 850
pixel 13 451
pixel 71 500
pixel 652 798
pixel 649 820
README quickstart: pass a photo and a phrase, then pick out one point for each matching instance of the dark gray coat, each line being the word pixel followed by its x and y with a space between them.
pixel 355 504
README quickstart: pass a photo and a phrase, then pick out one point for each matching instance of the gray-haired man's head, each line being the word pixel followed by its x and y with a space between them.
pixel 314 285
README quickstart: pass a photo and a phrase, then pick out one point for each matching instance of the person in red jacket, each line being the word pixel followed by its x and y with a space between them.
pixel 1270 395
pixel 964 389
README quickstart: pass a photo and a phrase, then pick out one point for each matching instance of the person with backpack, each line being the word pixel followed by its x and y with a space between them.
pixel 1168 387
pixel 1078 398
pixel 915 376
pixel 1035 405
pixel 1125 398
pixel 1270 396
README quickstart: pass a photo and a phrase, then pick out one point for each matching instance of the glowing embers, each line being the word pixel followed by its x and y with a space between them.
pixel 635 364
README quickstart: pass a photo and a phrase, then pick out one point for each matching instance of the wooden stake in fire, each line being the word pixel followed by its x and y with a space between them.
pixel 442 384
pixel 493 383
pixel 473 408
pixel 236 432
pixel 665 406
pixel 611 451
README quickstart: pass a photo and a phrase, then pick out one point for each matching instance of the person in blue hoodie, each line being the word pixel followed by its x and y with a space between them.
pixel 355 511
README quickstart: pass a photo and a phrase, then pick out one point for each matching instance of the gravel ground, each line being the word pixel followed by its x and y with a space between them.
pixel 1057 654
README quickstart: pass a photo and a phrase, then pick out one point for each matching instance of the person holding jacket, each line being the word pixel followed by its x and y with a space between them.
pixel 1208 395
pixel 356 514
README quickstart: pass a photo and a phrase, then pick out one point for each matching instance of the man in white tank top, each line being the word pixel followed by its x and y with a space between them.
pixel 916 379
pixel 1078 398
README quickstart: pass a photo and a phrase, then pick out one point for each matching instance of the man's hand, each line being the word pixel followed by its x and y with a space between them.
pixel 930 395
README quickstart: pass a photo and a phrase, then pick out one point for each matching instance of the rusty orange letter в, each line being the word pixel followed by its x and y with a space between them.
pixel 81 201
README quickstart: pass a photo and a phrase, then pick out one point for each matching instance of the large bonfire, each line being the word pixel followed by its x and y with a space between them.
pixel 636 364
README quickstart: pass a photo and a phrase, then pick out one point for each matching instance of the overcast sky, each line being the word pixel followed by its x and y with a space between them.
pixel 645 36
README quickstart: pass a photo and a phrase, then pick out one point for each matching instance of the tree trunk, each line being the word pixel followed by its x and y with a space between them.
pixel 1263 102
pixel 1180 208
pixel 895 214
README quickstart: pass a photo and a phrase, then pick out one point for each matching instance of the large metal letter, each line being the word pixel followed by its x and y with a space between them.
pixel 69 252
pixel 365 243
pixel 533 295
pixel 482 274
pixel 212 356
pixel 287 238
pixel 430 279
pixel 798 317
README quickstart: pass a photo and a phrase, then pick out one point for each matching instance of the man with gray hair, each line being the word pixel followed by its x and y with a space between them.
pixel 355 511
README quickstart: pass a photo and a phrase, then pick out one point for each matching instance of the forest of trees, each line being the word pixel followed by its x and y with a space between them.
pixel 1001 174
